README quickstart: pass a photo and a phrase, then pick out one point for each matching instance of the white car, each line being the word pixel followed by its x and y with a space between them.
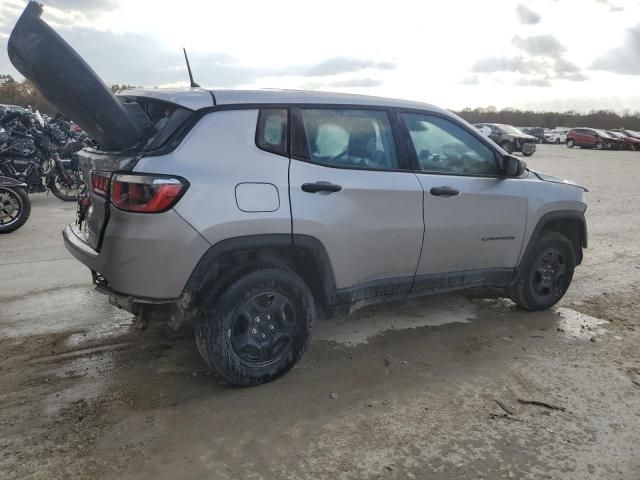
pixel 557 135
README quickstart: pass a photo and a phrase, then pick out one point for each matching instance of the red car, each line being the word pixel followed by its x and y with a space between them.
pixel 586 138
pixel 630 141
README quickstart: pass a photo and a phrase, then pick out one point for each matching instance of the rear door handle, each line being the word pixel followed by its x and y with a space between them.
pixel 321 187
pixel 444 192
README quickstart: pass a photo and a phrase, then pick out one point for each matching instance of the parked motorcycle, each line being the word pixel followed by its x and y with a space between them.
pixel 15 206
pixel 41 155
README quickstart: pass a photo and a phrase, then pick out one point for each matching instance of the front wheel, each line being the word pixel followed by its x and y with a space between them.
pixel 507 147
pixel 557 141
pixel 15 208
pixel 545 274
pixel 599 146
pixel 66 189
pixel 259 327
pixel 571 143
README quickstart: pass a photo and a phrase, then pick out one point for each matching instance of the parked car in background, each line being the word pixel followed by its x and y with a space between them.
pixel 537 132
pixel 611 142
pixel 509 138
pixel 557 135
pixel 586 138
pixel 628 133
pixel 628 142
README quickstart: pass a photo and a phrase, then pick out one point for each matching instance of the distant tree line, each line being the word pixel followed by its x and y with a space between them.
pixel 24 93
pixel 605 119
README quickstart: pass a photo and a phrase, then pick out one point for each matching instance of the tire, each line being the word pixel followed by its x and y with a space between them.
pixel 12 199
pixel 62 190
pixel 557 142
pixel 571 143
pixel 544 279
pixel 528 154
pixel 235 332
pixel 599 146
pixel 507 147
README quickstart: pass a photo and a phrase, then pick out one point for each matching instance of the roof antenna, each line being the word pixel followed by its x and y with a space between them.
pixel 192 83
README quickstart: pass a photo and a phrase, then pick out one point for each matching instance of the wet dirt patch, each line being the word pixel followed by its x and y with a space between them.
pixel 389 403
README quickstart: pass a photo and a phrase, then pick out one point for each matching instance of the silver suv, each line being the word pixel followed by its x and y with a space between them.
pixel 254 211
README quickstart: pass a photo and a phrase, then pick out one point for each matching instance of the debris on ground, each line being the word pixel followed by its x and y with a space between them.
pixel 504 407
pixel 541 404
pixel 505 417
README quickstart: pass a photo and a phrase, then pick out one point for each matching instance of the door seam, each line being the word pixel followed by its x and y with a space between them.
pixel 424 231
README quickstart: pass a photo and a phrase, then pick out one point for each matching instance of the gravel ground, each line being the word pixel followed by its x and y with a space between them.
pixel 407 390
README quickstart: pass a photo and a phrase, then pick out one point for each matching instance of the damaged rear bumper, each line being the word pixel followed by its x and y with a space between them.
pixel 146 257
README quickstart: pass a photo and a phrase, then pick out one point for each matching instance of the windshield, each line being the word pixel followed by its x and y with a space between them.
pixel 602 133
pixel 633 133
pixel 510 129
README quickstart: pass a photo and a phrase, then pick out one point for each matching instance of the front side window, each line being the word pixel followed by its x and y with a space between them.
pixel 349 138
pixel 444 147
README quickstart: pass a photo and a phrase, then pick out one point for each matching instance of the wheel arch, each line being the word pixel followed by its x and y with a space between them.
pixel 570 223
pixel 232 258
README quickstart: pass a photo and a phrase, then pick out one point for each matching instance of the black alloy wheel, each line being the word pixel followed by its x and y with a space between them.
pixel 262 328
pixel 545 272
pixel 548 274
pixel 256 328
pixel 15 209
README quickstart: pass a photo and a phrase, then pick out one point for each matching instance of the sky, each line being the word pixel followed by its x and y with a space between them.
pixel 537 54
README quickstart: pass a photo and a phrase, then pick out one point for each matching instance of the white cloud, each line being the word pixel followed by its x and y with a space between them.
pixel 457 53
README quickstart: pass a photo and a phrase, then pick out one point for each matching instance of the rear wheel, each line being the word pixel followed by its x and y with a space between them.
pixel 66 189
pixel 15 209
pixel 258 329
pixel 557 141
pixel 546 273
pixel 571 143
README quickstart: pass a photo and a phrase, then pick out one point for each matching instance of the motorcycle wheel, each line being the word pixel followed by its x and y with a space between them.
pixel 67 191
pixel 15 208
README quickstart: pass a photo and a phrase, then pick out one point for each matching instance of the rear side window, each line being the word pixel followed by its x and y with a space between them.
pixel 348 138
pixel 272 132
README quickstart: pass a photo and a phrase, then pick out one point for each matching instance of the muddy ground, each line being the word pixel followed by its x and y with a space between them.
pixel 400 391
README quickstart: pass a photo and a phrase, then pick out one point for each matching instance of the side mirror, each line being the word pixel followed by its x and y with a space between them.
pixel 512 166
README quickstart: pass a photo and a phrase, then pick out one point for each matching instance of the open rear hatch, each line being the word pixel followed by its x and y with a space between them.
pixel 125 127
pixel 72 87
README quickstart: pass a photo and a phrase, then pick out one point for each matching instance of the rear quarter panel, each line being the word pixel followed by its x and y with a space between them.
pixel 216 156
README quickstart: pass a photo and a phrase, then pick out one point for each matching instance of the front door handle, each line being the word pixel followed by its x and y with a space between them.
pixel 321 187
pixel 444 192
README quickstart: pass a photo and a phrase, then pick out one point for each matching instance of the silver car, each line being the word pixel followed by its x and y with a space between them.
pixel 252 212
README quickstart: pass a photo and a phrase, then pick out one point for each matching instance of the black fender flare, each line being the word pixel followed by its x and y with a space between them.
pixel 286 243
pixel 547 218
pixel 11 182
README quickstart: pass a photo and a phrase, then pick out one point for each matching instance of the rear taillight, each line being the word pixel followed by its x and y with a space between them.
pixel 100 183
pixel 145 193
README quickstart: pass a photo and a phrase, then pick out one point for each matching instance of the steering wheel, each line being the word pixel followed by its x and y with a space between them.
pixel 450 152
